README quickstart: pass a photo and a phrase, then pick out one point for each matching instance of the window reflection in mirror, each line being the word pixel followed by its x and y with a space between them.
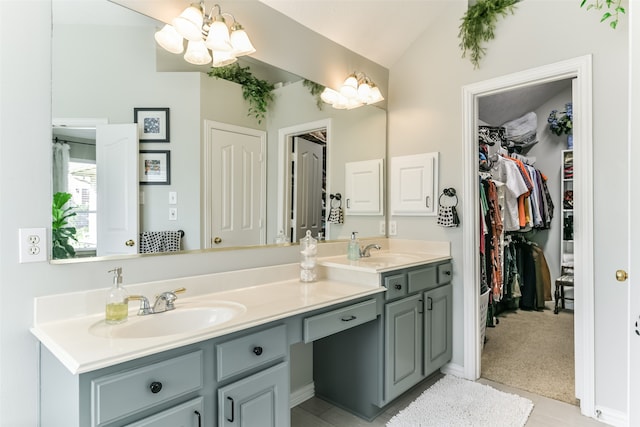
pixel 101 83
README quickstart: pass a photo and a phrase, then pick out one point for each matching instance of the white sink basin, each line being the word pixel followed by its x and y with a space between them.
pixel 178 321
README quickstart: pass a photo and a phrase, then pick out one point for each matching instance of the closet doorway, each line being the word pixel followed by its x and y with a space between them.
pixel 524 332
pixel 579 70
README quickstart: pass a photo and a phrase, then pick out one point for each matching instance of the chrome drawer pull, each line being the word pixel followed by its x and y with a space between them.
pixel 199 418
pixel 155 387
pixel 257 350
pixel 349 318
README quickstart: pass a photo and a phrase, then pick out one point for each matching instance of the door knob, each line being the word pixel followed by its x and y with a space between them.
pixel 621 275
pixel 130 242
pixel 217 240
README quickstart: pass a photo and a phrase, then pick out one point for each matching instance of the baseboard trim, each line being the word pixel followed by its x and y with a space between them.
pixel 300 395
pixel 611 417
pixel 455 370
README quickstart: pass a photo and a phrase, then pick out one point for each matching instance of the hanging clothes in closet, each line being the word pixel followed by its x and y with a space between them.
pixel 514 269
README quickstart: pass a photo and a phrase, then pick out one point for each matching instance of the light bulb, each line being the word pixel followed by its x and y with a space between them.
pixel 329 95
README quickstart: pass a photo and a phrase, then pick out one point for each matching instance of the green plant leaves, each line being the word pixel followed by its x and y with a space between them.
pixel 60 232
pixel 479 24
pixel 614 11
pixel 256 91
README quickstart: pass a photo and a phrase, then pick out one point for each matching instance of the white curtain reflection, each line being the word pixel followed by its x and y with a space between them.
pixel 60 167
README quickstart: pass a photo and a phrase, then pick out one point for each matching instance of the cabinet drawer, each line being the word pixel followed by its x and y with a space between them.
pixel 422 278
pixel 250 351
pixel 326 324
pixel 445 271
pixel 396 286
pixel 118 395
pixel 190 413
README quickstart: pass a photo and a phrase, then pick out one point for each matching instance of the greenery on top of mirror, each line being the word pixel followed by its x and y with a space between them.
pixel 316 90
pixel 254 90
pixel 61 232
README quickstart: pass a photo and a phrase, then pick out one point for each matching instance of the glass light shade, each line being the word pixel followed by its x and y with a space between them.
pixel 218 38
pixel 349 88
pixel 329 95
pixel 375 96
pixel 220 59
pixel 169 39
pixel 189 23
pixel 364 92
pixel 353 103
pixel 241 43
pixel 197 53
pixel 341 103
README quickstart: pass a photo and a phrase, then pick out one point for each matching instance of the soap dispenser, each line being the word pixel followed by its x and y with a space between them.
pixel 353 249
pixel 117 307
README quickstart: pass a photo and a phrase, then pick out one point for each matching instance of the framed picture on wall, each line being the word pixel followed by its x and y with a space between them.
pixel 155 167
pixel 153 124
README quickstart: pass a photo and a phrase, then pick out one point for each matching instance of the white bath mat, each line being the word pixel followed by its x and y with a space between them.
pixel 455 402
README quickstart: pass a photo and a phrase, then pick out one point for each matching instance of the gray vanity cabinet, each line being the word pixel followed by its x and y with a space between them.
pixel 364 369
pixel 188 414
pixel 260 400
pixel 403 352
pixel 259 393
pixel 438 324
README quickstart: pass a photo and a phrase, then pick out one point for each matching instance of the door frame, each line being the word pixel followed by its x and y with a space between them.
pixel 207 202
pixel 580 69
pixel 284 201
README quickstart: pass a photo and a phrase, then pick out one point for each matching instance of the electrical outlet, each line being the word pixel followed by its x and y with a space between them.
pixel 393 228
pixel 383 229
pixel 173 214
pixel 32 245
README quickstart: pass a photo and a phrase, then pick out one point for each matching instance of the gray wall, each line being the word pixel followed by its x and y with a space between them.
pixel 426 117
pixel 422 119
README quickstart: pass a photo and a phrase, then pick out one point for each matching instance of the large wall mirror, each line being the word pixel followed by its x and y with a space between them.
pixel 106 64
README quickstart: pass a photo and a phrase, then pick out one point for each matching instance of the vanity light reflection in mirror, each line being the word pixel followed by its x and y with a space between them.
pixel 97 86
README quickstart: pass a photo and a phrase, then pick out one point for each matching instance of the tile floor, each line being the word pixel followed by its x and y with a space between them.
pixel 547 412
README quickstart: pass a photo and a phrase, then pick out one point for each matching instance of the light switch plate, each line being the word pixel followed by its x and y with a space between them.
pixel 173 198
pixel 173 214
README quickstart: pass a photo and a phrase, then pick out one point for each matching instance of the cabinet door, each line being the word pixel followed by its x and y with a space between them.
pixel 363 187
pixel 403 347
pixel 414 184
pixel 261 400
pixel 437 326
pixel 188 414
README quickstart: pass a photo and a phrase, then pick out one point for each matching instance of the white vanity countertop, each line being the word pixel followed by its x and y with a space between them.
pixel 72 325
pixel 383 261
pixel 71 341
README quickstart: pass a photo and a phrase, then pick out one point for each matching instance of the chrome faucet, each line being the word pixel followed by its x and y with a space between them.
pixel 164 302
pixel 365 252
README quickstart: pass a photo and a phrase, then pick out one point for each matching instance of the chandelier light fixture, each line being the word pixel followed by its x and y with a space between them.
pixel 205 32
pixel 357 90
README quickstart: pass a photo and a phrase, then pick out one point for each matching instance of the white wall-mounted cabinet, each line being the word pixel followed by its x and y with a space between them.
pixel 414 184
pixel 363 187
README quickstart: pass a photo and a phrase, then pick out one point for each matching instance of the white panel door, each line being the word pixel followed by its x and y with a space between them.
pixel 235 186
pixel 363 187
pixel 414 184
pixel 307 182
pixel 117 183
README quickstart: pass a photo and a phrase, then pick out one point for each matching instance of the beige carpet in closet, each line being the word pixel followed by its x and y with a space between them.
pixel 532 351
